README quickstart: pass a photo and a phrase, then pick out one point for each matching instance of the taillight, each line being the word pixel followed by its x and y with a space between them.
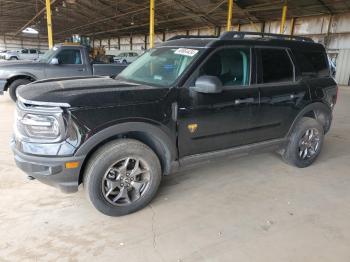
pixel 336 95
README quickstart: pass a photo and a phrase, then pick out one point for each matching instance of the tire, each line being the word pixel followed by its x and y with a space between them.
pixel 301 150
pixel 13 87
pixel 13 58
pixel 104 172
pixel 124 62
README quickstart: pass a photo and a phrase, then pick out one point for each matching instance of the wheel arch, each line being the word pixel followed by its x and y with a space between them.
pixel 319 111
pixel 10 80
pixel 149 134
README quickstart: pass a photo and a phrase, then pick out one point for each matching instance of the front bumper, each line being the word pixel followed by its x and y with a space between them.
pixel 2 86
pixel 50 170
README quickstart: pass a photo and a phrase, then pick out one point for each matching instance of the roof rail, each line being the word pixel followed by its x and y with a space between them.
pixel 241 35
pixel 190 36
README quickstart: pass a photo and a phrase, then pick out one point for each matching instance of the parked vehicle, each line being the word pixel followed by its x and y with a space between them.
pixel 23 54
pixel 109 59
pixel 4 55
pixel 126 57
pixel 2 52
pixel 182 103
pixel 61 61
pixel 333 67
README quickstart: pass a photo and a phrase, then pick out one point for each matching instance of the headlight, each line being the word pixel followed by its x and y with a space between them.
pixel 40 126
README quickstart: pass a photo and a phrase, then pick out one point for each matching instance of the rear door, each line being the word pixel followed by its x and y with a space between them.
pixel 23 54
pixel 71 63
pixel 33 54
pixel 209 122
pixel 282 95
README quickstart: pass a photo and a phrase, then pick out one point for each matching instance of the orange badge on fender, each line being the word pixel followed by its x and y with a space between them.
pixel 192 127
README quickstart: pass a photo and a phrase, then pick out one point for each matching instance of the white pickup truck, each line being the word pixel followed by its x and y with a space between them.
pixel 23 54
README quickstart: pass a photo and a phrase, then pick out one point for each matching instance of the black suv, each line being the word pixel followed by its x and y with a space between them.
pixel 187 101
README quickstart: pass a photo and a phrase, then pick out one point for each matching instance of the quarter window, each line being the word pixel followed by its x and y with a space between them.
pixel 276 66
pixel 314 63
pixel 231 66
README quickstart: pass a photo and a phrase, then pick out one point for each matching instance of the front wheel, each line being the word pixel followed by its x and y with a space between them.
pixel 14 85
pixel 305 143
pixel 122 177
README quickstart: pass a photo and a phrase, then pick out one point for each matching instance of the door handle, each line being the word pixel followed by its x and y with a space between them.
pixel 244 101
pixel 297 95
pixel 81 70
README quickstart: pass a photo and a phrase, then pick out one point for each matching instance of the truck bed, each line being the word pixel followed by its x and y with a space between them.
pixel 107 69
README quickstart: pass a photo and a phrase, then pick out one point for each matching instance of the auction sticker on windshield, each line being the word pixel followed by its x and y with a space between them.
pixel 186 51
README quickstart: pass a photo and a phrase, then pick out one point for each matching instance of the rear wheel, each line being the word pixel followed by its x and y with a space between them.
pixel 13 87
pixel 122 177
pixel 305 143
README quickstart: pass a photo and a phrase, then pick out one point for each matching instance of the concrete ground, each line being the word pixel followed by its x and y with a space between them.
pixel 248 209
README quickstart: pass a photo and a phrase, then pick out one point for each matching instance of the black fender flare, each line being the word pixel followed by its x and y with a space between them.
pixel 155 138
pixel 322 112
pixel 19 75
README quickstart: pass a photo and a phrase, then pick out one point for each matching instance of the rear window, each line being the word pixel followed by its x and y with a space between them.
pixel 69 57
pixel 276 66
pixel 312 62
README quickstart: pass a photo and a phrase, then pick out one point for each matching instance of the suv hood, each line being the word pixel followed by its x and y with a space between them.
pixel 89 92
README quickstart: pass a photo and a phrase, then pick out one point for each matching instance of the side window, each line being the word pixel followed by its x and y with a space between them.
pixel 312 62
pixel 231 66
pixel 276 66
pixel 32 51
pixel 69 57
pixel 24 51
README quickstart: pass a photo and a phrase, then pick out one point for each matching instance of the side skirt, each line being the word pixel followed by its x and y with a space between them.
pixel 198 159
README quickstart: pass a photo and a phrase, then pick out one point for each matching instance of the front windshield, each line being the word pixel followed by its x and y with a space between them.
pixel 47 56
pixel 161 66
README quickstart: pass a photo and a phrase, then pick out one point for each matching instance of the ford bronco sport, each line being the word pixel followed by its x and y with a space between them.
pixel 187 101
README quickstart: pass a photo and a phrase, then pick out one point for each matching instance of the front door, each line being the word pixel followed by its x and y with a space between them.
pixel 209 122
pixel 70 64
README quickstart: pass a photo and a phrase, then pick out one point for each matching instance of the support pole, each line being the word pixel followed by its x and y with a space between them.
pixel 229 15
pixel 151 23
pixel 49 23
pixel 292 26
pixel 284 16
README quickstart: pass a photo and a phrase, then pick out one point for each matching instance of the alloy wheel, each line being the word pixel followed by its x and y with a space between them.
pixel 309 143
pixel 126 181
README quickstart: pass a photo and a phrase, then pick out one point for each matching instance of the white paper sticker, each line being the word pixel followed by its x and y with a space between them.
pixel 157 77
pixel 186 51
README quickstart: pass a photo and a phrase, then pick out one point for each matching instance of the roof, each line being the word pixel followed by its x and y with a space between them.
pixel 228 38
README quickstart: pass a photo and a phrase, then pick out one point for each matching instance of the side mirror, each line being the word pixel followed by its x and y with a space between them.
pixel 54 61
pixel 208 84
